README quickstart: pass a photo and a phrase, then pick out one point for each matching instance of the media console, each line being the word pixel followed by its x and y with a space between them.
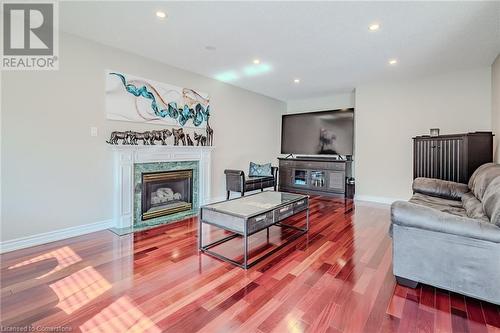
pixel 311 175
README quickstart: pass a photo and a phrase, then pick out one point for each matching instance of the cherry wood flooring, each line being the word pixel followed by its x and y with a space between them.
pixel 337 278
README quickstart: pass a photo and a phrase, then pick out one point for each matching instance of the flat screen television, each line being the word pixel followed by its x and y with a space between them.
pixel 318 133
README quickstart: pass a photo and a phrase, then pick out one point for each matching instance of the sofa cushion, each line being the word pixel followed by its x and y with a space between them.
pixel 474 207
pixel 444 205
pixel 491 201
pixel 482 177
pixel 478 170
pixel 260 170
pixel 407 214
pixel 439 188
pixel 435 200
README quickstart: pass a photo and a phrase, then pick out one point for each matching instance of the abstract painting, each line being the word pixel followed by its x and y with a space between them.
pixel 131 98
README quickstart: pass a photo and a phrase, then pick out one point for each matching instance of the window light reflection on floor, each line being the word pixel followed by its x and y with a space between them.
pixel 121 316
pixel 65 257
pixel 79 288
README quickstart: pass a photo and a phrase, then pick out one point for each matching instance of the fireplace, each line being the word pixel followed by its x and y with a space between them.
pixel 165 193
pixel 131 163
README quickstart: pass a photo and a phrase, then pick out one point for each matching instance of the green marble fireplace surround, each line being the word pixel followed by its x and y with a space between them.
pixel 141 168
pixel 138 170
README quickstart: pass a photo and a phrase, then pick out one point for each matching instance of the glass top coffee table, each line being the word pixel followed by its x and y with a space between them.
pixel 248 215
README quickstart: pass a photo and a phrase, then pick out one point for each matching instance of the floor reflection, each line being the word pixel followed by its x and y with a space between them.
pixel 336 278
pixel 79 288
pixel 121 316
pixel 65 257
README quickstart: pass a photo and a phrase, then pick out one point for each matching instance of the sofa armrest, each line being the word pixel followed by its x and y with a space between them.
pixel 235 180
pixel 411 215
pixel 234 172
pixel 439 188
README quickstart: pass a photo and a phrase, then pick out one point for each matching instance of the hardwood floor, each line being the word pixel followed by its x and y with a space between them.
pixel 337 278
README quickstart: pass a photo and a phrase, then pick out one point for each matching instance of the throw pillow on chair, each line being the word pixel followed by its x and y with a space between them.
pixel 260 170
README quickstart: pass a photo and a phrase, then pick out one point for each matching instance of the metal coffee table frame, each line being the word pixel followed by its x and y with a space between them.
pixel 246 234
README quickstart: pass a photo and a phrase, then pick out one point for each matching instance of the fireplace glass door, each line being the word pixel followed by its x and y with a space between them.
pixel 165 193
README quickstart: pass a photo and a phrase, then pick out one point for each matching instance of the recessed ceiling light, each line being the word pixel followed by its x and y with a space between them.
pixel 256 61
pixel 374 27
pixel 210 48
pixel 296 80
pixel 161 14
pixel 393 61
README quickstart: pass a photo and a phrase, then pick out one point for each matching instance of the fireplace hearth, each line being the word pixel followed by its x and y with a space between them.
pixel 165 193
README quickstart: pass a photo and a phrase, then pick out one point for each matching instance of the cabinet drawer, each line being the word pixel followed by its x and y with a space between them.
pixel 260 222
pixel 308 164
pixel 340 166
pixel 300 205
pixel 285 164
pixel 318 165
pixel 283 212
pixel 336 181
pixel 222 220
pixel 335 166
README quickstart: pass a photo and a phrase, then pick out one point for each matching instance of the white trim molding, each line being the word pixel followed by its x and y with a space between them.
pixel 370 198
pixel 126 156
pixel 52 236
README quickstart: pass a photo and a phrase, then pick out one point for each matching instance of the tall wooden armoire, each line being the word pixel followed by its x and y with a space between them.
pixel 451 157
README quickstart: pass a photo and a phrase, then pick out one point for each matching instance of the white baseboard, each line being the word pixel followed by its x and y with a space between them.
pixel 370 198
pixel 52 236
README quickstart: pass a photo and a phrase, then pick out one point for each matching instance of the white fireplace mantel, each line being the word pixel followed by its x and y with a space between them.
pixel 126 156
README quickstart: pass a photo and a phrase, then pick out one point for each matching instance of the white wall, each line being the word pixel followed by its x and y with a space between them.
pixel 495 107
pixel 55 175
pixel 389 114
pixel 330 102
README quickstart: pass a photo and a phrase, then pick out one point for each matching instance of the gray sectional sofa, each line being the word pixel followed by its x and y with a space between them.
pixel 448 235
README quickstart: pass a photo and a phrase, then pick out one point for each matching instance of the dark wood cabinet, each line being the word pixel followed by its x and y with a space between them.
pixel 314 176
pixel 451 157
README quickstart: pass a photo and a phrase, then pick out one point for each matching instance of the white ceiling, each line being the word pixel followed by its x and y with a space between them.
pixel 325 44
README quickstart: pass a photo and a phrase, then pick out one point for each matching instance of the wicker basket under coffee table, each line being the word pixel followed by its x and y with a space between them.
pixel 248 215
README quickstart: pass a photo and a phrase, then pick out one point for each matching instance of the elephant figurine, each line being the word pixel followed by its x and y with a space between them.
pixel 156 136
pixel 189 141
pixel 131 137
pixel 116 135
pixel 144 136
pixel 200 139
pixel 179 136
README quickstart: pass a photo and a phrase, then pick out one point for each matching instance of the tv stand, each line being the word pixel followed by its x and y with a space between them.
pixel 319 175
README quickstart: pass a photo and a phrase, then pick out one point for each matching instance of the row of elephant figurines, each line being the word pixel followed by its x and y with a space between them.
pixel 150 137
